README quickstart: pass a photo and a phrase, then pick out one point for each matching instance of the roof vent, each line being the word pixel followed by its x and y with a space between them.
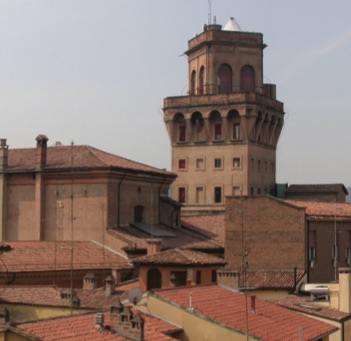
pixel 232 25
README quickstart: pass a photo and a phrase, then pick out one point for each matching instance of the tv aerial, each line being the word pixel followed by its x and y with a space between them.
pixel 135 295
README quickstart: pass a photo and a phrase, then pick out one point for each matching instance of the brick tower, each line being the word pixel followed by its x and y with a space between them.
pixel 224 133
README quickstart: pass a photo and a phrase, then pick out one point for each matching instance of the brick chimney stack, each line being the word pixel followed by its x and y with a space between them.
pixel 41 151
pixel 345 290
pixel 4 150
pixel 89 282
pixel 110 285
pixel 124 323
pixel 153 246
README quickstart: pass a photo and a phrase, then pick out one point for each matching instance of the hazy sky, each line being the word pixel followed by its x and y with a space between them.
pixel 96 72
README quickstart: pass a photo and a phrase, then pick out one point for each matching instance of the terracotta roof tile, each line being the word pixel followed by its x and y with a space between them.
pixel 316 188
pixel 179 257
pixel 270 322
pixel 212 226
pixel 42 255
pixel 304 304
pixel 324 210
pixel 50 296
pixel 60 157
pixel 82 328
pixel 183 238
pixel 270 279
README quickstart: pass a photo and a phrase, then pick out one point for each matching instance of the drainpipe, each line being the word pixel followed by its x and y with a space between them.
pixel 119 199
pixel 306 251
pixel 159 201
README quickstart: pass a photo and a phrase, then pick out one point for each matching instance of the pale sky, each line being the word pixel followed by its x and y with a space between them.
pixel 96 72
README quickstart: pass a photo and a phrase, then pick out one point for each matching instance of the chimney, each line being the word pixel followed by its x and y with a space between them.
pixel 345 290
pixel 99 320
pixel 41 151
pixel 110 285
pixel 89 282
pixel 4 317
pixel 69 297
pixel 3 154
pixel 153 246
pixel 253 304
pixel 124 323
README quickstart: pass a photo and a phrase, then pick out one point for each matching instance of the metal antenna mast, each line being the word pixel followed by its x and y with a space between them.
pixel 209 11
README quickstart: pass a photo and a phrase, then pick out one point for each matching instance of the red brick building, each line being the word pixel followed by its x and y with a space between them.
pixel 264 233
pixel 77 192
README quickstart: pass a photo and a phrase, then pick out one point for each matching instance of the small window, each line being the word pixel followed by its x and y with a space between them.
pixel 252 164
pixel 236 162
pixel 200 164
pixel 311 253
pixel 182 133
pixel 266 166
pixel 182 164
pixel 218 162
pixel 259 165
pixel 198 277
pixel 200 199
pixel 214 276
pixel 218 195
pixel 179 278
pixel 272 167
pixel 181 194
pixel 236 131
pixel 218 131
pixel 252 191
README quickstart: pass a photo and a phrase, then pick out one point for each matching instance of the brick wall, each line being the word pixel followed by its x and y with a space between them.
pixel 271 232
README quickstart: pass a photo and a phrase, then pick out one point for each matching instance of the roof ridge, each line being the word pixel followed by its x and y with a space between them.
pixel 95 150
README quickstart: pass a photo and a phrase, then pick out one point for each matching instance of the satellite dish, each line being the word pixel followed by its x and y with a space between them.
pixel 135 296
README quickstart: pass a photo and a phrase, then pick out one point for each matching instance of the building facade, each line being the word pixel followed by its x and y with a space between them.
pixel 265 233
pixel 224 133
pixel 77 193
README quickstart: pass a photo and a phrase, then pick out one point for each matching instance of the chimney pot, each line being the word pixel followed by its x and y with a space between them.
pixel 253 304
pixel 41 151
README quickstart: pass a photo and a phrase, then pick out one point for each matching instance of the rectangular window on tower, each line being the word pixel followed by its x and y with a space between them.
pixel 200 164
pixel 182 133
pixel 218 163
pixel 182 164
pixel 236 163
pixel 181 194
pixel 218 132
pixel 200 196
pixel 218 195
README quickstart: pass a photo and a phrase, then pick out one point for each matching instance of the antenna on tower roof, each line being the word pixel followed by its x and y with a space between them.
pixel 209 11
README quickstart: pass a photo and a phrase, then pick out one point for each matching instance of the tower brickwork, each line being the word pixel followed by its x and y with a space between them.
pixel 224 133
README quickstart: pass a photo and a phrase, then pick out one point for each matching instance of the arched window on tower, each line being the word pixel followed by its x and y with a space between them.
pixel 192 83
pixel 198 127
pixel 247 79
pixel 225 79
pixel 216 126
pixel 202 81
pixel 234 125
pixel 179 127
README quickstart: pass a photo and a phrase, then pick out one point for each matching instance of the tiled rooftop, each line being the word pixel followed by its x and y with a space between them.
pixel 50 296
pixel 324 210
pixel 179 257
pixel 212 226
pixel 183 238
pixel 270 322
pixel 82 328
pixel 42 256
pixel 60 157
pixel 316 188
pixel 304 304
pixel 270 279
